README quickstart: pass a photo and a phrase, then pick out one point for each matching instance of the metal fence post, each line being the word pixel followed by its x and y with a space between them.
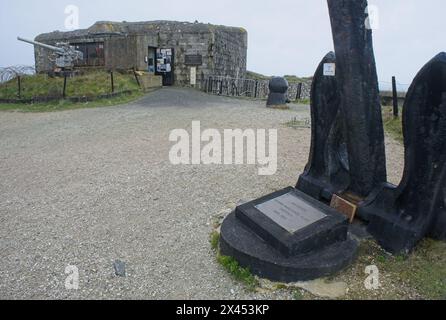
pixel 256 88
pixel 19 84
pixel 299 91
pixel 395 98
pixel 64 92
pixel 112 82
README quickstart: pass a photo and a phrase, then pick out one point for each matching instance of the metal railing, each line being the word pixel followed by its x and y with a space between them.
pixel 256 89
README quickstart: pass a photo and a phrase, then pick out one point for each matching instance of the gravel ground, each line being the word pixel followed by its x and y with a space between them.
pixel 89 187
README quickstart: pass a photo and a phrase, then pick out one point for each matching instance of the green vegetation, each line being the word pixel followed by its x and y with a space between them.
pixel 62 105
pixel 256 76
pixel 294 79
pixel 297 295
pixel 215 240
pixel 418 275
pixel 299 123
pixel 240 274
pixel 290 78
pixel 303 101
pixel 89 85
pixel 232 266
pixel 424 270
pixel 392 125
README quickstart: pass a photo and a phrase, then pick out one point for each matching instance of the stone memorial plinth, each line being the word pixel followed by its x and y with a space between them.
pixel 288 236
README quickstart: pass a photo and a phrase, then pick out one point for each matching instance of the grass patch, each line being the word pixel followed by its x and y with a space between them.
pixel 294 79
pixel 215 240
pixel 419 275
pixel 290 78
pixel 299 123
pixel 256 76
pixel 424 269
pixel 306 102
pixel 297 295
pixel 243 275
pixel 91 84
pixel 393 126
pixel 68 105
pixel 88 85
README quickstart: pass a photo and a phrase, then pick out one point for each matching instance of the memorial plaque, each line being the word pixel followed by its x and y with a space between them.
pixel 193 60
pixel 344 206
pixel 290 212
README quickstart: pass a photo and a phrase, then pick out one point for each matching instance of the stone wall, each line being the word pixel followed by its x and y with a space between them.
pixel 229 53
pixel 187 44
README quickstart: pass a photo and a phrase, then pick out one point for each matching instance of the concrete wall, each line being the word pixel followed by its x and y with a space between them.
pixel 120 53
pixel 143 42
pixel 223 49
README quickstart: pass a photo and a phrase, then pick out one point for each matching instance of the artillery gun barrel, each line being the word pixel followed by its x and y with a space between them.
pixel 43 45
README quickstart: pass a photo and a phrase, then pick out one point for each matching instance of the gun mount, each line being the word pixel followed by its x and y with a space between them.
pixel 63 54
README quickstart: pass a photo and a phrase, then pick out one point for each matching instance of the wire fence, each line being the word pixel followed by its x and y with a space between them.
pixel 387 86
pixel 256 89
pixel 259 89
pixel 22 85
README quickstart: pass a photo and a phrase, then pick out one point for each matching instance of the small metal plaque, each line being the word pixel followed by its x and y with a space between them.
pixel 193 60
pixel 344 206
pixel 290 212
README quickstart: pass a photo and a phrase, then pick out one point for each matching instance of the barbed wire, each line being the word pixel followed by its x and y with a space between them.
pixel 12 72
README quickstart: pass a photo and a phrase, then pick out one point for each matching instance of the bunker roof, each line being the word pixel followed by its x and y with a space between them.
pixel 110 28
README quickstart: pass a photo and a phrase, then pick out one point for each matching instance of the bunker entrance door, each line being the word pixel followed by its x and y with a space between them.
pixel 151 60
pixel 164 65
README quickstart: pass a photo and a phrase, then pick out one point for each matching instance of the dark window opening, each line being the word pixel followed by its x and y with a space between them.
pixel 93 54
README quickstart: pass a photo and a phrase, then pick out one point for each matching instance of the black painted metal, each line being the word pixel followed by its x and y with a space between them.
pixel 19 84
pixel 112 82
pixel 395 98
pixel 299 91
pixel 327 171
pixel 401 216
pixel 278 88
pixel 64 92
pixel 360 103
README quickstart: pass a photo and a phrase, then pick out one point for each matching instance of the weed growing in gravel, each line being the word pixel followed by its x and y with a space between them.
pixel 424 269
pixel 215 240
pixel 303 101
pixel 239 273
pixel 419 275
pixel 232 266
pixel 299 123
pixel 297 295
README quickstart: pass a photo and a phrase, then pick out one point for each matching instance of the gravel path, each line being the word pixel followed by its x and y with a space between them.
pixel 88 187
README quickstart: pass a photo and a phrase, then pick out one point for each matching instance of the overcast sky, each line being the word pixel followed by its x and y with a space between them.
pixel 285 36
